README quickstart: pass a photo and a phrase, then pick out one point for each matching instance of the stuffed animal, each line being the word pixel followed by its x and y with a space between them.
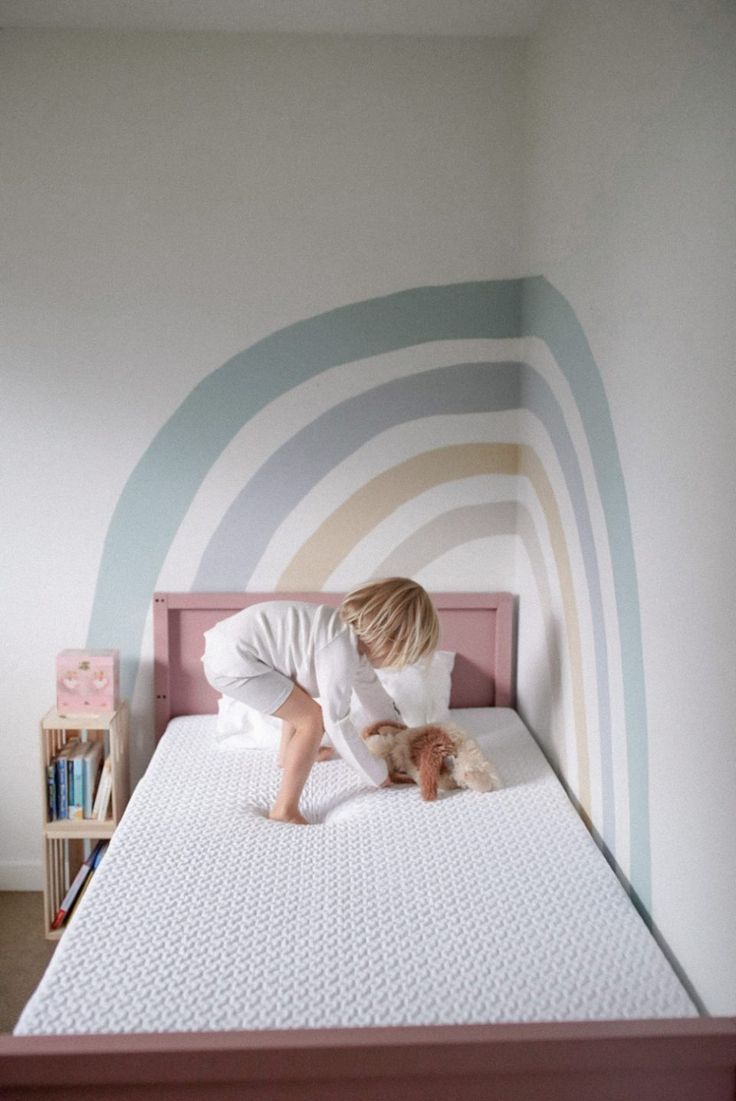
pixel 436 756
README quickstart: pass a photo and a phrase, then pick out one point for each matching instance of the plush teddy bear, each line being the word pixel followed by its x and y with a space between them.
pixel 436 756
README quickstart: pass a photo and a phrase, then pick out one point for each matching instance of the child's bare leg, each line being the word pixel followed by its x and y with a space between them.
pixel 305 716
pixel 324 753
pixel 287 733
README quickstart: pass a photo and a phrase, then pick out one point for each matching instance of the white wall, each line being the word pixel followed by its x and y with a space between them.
pixel 630 176
pixel 168 200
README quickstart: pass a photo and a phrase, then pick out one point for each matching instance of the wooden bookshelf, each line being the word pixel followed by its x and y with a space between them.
pixel 64 838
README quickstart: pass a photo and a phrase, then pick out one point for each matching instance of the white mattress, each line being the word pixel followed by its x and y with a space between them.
pixel 478 908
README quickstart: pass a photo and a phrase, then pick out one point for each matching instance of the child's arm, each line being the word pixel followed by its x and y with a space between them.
pixel 374 699
pixel 335 675
pixel 351 747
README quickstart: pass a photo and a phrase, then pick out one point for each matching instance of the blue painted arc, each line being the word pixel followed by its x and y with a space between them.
pixel 548 315
pixel 159 492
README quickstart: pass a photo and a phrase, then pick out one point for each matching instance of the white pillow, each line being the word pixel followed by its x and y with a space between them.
pixel 247 728
pixel 253 730
pixel 421 692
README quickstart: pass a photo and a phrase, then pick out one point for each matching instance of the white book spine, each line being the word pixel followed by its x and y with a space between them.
pixel 104 787
pixel 102 803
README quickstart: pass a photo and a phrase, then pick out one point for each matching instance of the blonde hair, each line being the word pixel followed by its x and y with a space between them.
pixel 395 620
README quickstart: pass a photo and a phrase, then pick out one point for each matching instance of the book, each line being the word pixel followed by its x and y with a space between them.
pixel 75 780
pixel 51 791
pixel 97 856
pixel 60 762
pixel 75 887
pixel 92 764
pixel 104 792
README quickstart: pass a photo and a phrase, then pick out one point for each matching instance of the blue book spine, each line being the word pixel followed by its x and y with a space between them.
pixel 51 791
pixel 61 794
pixel 76 799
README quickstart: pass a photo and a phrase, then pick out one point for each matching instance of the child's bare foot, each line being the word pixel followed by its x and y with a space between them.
pixel 287 813
pixel 293 817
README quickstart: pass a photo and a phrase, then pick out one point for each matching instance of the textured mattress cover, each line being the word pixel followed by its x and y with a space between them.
pixel 477 908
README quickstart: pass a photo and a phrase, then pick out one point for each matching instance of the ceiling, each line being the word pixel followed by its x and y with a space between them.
pixel 415 17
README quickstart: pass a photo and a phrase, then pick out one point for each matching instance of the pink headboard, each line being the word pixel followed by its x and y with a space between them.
pixel 479 627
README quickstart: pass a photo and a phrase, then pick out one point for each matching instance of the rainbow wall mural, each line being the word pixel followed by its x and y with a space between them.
pixel 383 435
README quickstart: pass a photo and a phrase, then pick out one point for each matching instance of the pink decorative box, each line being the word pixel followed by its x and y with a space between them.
pixel 87 681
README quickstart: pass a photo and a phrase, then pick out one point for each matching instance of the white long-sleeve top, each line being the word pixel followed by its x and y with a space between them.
pixel 310 644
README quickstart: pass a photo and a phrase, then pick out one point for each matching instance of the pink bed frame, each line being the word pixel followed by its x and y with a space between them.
pixel 648 1060
pixel 477 626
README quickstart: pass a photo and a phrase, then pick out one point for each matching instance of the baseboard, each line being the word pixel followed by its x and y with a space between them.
pixel 21 875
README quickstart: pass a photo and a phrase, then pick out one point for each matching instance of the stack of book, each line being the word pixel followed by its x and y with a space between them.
pixel 79 885
pixel 79 783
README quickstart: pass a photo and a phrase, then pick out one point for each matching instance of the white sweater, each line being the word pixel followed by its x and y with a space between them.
pixel 311 645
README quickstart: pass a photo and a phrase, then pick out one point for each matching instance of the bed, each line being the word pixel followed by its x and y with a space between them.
pixel 479 945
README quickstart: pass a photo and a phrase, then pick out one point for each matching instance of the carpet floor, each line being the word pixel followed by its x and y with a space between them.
pixel 24 952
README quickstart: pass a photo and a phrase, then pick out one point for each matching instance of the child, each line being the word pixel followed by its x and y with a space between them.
pixel 278 655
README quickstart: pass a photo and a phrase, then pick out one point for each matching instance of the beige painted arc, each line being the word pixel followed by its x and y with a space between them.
pixel 320 555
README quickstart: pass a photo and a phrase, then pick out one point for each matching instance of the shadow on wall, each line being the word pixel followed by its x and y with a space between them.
pixel 544 666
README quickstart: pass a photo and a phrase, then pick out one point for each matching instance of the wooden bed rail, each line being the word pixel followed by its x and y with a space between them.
pixel 651 1060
